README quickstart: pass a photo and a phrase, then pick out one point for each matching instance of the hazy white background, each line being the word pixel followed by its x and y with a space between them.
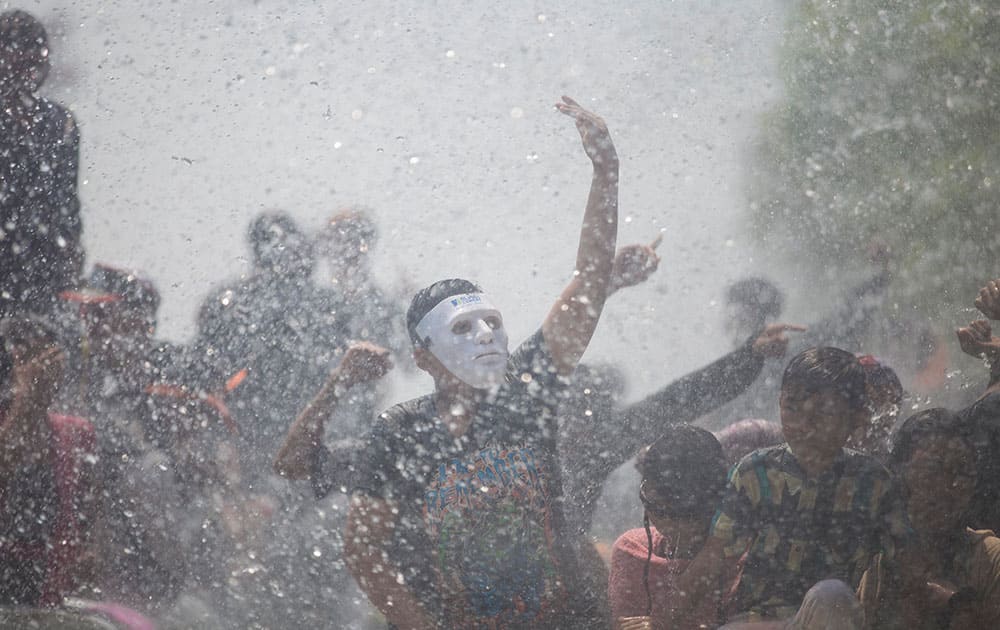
pixel 196 115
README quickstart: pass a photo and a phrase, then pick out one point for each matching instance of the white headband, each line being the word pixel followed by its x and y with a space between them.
pixel 445 310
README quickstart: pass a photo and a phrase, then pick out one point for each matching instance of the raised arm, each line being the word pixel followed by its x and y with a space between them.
pixel 362 362
pixel 704 390
pixel 570 324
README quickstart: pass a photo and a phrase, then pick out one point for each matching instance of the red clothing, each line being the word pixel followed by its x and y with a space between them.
pixel 74 442
pixel 48 556
pixel 627 594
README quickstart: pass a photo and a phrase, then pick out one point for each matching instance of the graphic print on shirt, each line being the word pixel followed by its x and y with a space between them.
pixel 489 518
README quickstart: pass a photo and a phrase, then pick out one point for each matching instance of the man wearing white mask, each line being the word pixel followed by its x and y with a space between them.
pixel 454 519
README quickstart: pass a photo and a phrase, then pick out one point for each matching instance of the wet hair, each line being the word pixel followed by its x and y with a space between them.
pixel 686 467
pixel 759 294
pixel 743 437
pixel 923 426
pixel 429 297
pixel 882 378
pixel 827 369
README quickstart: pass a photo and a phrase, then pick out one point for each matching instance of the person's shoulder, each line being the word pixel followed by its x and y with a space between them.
pixel 532 362
pixel 409 415
pixel 58 115
pixel 860 463
pixel 768 457
pixel 632 543
pixel 984 410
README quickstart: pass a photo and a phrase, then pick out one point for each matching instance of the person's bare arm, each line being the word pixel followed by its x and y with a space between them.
pixel 370 526
pixel 701 579
pixel 25 436
pixel 362 362
pixel 570 324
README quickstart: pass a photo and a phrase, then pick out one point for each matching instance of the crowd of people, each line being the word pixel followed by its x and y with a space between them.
pixel 246 479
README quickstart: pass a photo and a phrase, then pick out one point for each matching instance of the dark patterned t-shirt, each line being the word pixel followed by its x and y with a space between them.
pixel 476 538
pixel 801 530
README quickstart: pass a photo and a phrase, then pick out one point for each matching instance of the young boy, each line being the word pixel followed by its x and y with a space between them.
pixel 809 510
pixel 455 519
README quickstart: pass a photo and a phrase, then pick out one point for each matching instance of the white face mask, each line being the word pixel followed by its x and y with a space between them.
pixel 467 336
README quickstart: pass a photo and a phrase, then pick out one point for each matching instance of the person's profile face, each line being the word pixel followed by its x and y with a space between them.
pixel 816 426
pixel 940 479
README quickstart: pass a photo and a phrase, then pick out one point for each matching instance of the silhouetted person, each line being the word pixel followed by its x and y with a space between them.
pixel 46 481
pixel 40 250
pixel 279 327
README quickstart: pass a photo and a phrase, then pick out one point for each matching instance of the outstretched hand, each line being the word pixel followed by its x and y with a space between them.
pixel 988 301
pixel 634 264
pixel 977 340
pixel 363 362
pixel 773 342
pixel 594 133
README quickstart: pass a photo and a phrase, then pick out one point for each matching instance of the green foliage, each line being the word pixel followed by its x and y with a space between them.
pixel 889 128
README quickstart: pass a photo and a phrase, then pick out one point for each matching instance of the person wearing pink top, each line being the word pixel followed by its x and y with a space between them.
pixel 683 475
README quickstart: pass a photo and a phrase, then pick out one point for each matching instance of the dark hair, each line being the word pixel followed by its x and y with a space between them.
pixel 23 34
pixel 922 426
pixel 757 293
pixel 429 297
pixel 880 377
pixel 688 468
pixel 827 369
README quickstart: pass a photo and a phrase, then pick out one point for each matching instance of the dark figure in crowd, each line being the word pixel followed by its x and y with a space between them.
pixel 752 303
pixel 455 519
pixel 597 436
pixel 934 459
pixel 808 514
pixel 114 355
pixel 347 244
pixel 278 329
pixel 40 249
pixel 113 364
pixel 885 397
pixel 977 340
pixel 683 476
pixel 46 480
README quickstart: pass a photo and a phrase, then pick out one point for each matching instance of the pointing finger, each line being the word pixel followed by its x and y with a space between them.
pixel 656 241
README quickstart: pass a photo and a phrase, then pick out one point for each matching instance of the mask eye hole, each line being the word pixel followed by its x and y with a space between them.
pixel 493 322
pixel 462 327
